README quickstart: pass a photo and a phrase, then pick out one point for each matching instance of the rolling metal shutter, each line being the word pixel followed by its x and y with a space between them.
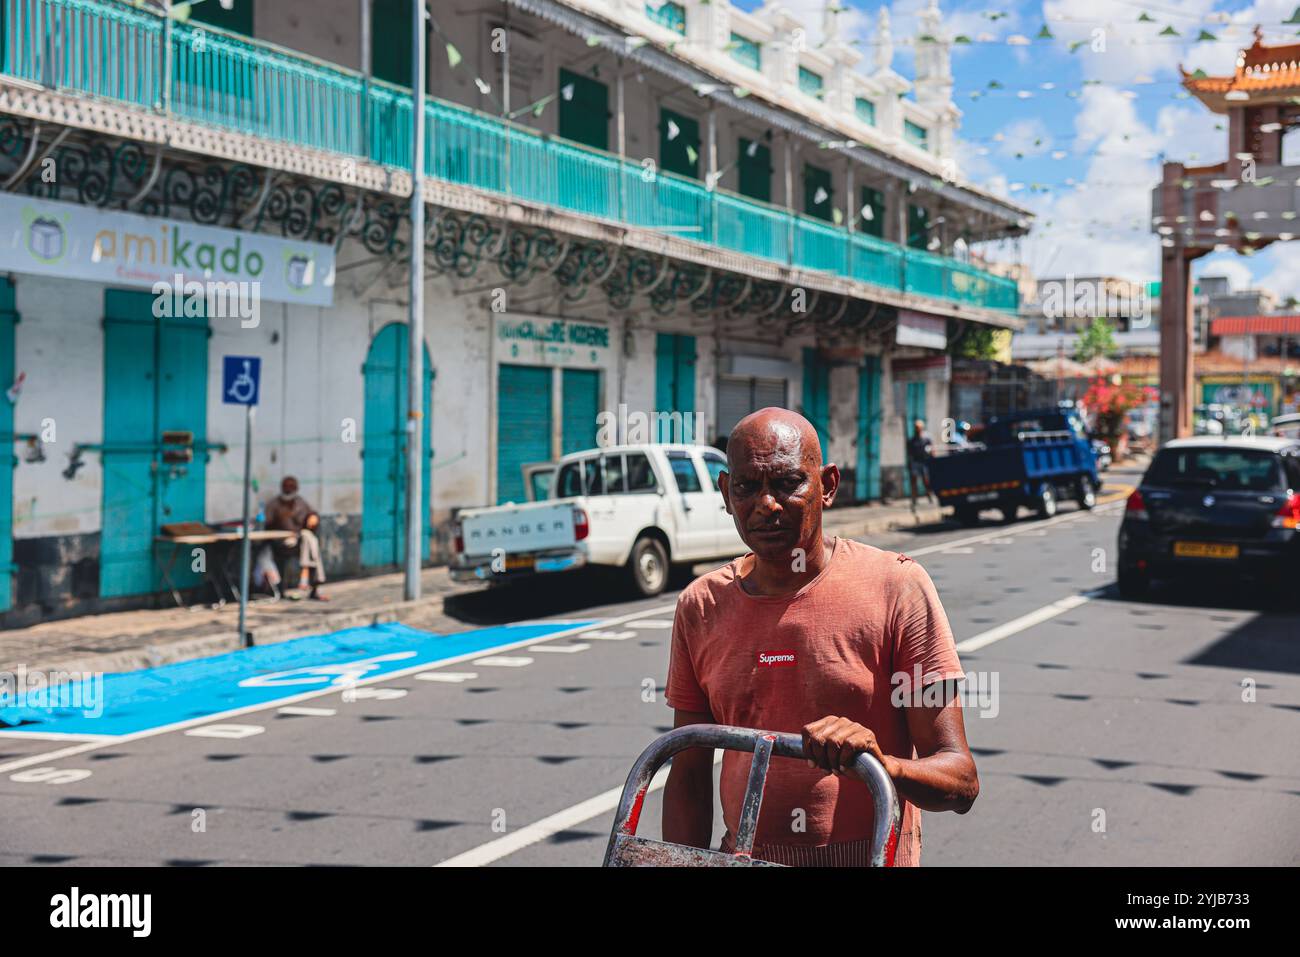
pixel 523 425
pixel 738 396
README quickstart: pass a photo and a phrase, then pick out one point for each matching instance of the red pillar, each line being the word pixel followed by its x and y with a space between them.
pixel 1175 343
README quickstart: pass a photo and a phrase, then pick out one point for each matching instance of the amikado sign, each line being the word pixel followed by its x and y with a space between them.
pixel 81 242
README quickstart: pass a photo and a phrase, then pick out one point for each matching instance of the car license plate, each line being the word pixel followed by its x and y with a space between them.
pixel 1205 550
pixel 517 562
pixel 982 497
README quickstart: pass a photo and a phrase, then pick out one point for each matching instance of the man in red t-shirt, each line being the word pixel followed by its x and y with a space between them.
pixel 840 641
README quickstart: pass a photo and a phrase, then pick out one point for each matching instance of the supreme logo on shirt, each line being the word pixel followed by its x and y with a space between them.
pixel 776 659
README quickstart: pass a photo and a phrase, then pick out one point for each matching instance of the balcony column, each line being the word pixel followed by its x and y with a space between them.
pixel 367 67
pixel 711 161
pixel 620 134
pixel 851 210
pixel 789 199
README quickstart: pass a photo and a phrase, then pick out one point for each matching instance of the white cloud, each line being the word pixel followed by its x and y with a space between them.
pixel 1226 264
pixel 1280 269
pixel 1027 137
pixel 1103 226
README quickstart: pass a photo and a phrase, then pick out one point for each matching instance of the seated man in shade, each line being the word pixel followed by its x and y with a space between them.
pixel 289 512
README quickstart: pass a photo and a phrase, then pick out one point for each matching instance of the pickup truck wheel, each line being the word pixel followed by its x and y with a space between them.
pixel 648 566
pixel 1086 493
pixel 1045 502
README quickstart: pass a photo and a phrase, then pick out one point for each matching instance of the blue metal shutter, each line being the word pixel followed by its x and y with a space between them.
pixel 523 425
pixel 867 477
pixel 580 392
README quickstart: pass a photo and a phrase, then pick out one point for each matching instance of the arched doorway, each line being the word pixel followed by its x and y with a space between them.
pixel 383 454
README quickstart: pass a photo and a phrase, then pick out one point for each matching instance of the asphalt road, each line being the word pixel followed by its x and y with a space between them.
pixel 1118 733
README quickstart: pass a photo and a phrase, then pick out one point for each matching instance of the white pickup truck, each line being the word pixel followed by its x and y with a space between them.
pixel 637 507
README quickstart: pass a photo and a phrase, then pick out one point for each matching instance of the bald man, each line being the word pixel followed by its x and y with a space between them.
pixel 839 641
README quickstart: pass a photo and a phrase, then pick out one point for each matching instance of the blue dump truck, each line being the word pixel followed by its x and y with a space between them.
pixel 1032 458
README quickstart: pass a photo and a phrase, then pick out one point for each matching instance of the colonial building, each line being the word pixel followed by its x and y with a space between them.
pixel 682 211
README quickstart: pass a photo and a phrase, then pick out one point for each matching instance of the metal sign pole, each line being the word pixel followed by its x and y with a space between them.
pixel 415 341
pixel 246 547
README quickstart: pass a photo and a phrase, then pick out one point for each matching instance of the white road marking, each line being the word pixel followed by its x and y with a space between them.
pixel 651 623
pixel 958 551
pixel 108 741
pixel 226 731
pixel 549 826
pixel 999 541
pixel 450 677
pixel 504 661
pixel 55 736
pixel 1005 532
pixel 609 635
pixel 1017 625
pixel 561 649
pixel 608 800
pixel 372 694
pixel 309 712
pixel 50 776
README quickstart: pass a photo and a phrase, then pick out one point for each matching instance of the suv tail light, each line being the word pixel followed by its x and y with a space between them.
pixel 1135 508
pixel 580 526
pixel 459 541
pixel 1288 516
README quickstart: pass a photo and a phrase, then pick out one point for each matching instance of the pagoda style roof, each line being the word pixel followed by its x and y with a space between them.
pixel 1264 74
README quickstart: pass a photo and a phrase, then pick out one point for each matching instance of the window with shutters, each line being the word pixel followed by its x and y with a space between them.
pixel 667 14
pixel 584 111
pixel 679 144
pixel 918 226
pixel 746 51
pixel 810 82
pixel 238 19
pixel 817 192
pixel 754 170
pixel 390 40
pixel 871 214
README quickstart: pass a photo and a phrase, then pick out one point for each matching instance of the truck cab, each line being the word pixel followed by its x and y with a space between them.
pixel 642 508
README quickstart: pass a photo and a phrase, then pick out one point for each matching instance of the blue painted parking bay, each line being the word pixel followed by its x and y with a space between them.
pixel 136 701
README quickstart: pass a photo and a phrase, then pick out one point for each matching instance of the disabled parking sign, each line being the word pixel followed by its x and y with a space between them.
pixel 241 377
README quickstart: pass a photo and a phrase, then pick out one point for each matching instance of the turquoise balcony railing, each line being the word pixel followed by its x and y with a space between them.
pixel 113 51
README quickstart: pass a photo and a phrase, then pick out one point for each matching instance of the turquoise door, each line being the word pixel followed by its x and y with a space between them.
pixel 867 477
pixel 155 380
pixel 580 391
pixel 383 453
pixel 817 396
pixel 524 425
pixel 8 461
pixel 674 386
pixel 915 410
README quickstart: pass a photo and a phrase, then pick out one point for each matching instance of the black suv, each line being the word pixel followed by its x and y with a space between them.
pixel 1216 506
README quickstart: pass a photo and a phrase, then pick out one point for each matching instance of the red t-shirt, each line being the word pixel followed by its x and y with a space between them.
pixel 779 663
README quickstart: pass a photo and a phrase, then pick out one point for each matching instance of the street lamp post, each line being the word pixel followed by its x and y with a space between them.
pixel 415 341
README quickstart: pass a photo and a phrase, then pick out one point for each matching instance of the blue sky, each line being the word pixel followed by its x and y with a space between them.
pixel 1079 137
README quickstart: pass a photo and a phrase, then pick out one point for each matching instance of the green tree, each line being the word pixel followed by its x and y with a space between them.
pixel 1096 340
pixel 978 342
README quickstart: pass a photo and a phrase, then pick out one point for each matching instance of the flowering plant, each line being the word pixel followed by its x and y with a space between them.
pixel 1110 402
